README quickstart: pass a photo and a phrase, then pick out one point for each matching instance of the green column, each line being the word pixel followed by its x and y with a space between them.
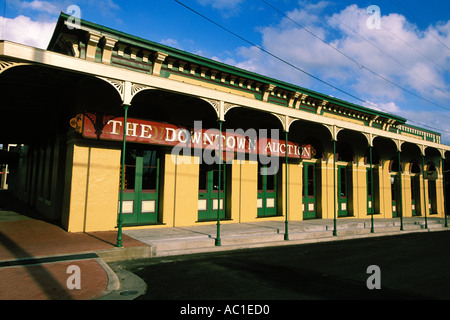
pixel 286 227
pixel 124 143
pixel 218 240
pixel 424 194
pixel 372 228
pixel 334 187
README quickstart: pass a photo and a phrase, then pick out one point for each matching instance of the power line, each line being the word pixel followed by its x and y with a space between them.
pixel 293 66
pixel 356 62
pixel 417 20
pixel 388 55
pixel 271 54
pixel 409 45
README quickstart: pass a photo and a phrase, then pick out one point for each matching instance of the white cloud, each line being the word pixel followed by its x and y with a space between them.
pixel 386 54
pixel 172 43
pixel 26 31
pixel 42 6
pixel 221 4
pixel 389 107
pixel 227 8
pixel 411 58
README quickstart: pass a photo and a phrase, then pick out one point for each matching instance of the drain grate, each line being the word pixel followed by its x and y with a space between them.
pixel 129 293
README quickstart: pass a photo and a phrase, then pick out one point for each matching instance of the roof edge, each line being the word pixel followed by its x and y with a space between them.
pixel 121 36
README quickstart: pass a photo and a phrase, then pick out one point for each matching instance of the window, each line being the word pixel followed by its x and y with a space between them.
pixel 369 182
pixel 149 170
pixel 343 182
pixel 310 181
pixel 130 169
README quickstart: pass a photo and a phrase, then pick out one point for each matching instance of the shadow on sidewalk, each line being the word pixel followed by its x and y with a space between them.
pixel 41 276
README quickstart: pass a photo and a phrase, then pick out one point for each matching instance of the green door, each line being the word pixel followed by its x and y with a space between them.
pixel 415 195
pixel 309 191
pixel 267 191
pixel 373 191
pixel 370 197
pixel 432 199
pixel 395 190
pixel 209 196
pixel 141 188
pixel 343 191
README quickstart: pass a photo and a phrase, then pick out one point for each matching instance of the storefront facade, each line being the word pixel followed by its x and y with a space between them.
pixel 204 141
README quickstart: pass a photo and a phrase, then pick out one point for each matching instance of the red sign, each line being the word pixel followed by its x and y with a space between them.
pixel 96 126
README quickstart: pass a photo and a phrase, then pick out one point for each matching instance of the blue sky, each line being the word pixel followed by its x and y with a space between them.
pixel 402 68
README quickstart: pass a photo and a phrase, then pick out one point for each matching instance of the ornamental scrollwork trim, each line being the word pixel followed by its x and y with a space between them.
pixel 8 64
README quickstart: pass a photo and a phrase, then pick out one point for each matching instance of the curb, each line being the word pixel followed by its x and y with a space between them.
pixel 122 285
pixel 120 254
pixel 277 241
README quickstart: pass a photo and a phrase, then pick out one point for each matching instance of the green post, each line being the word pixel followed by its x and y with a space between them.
pixel 372 227
pixel 286 227
pixel 122 180
pixel 334 186
pixel 400 184
pixel 424 194
pixel 218 240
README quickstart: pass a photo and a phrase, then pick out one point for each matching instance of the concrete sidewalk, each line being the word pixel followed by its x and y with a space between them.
pixel 198 239
pixel 35 255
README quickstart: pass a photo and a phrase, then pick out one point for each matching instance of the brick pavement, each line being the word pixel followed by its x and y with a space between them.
pixel 49 282
pixel 23 235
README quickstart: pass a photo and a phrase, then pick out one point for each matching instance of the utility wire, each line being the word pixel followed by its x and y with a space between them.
pixel 271 54
pixel 295 67
pixel 356 62
pixel 391 57
pixel 417 20
pixel 409 45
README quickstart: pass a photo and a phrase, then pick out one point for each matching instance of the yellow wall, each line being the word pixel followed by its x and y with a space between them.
pixel 407 204
pixel 244 190
pixel 295 212
pixel 91 202
pixel 440 196
pixel 360 190
pixel 180 204
pixel 385 191
pixel 91 199
pixel 328 197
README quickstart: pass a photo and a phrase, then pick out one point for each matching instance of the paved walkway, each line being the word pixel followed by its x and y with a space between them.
pixel 36 255
pixel 197 239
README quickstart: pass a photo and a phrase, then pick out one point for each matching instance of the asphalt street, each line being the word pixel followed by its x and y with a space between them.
pixel 407 267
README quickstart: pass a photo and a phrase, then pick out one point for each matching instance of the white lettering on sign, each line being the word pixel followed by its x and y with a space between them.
pixel 170 134
pixel 114 129
pixel 132 127
pixel 146 131
pixel 261 143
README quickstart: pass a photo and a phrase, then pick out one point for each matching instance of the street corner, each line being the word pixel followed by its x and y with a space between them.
pixel 123 284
